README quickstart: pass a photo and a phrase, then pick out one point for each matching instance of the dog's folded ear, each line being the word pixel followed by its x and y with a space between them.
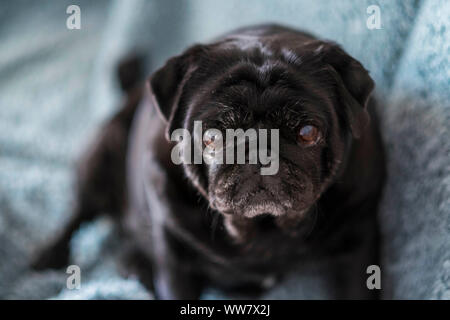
pixel 167 84
pixel 354 84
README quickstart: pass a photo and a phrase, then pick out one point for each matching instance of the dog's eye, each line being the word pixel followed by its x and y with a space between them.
pixel 209 141
pixel 308 135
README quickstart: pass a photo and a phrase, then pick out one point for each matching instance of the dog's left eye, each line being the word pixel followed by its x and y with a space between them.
pixel 308 135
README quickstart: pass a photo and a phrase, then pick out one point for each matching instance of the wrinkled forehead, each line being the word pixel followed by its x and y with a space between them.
pixel 260 88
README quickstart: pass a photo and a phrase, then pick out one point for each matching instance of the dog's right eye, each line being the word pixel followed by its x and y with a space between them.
pixel 210 141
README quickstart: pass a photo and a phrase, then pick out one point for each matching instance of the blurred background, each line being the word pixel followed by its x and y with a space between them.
pixel 58 85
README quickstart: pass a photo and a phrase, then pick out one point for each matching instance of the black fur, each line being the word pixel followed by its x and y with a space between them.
pixel 228 226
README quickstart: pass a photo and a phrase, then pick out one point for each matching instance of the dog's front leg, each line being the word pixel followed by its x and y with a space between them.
pixel 175 267
pixel 175 276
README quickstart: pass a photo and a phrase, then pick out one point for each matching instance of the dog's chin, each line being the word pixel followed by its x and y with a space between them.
pixel 265 208
pixel 256 206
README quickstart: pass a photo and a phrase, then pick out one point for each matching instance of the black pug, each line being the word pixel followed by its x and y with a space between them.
pixel 197 225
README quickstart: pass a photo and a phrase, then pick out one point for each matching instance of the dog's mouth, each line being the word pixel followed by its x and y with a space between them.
pixel 256 196
pixel 252 205
pixel 264 208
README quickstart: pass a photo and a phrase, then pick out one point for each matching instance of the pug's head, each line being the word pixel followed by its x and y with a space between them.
pixel 312 91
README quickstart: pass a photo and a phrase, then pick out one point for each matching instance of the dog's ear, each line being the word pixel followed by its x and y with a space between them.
pixel 167 85
pixel 354 84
